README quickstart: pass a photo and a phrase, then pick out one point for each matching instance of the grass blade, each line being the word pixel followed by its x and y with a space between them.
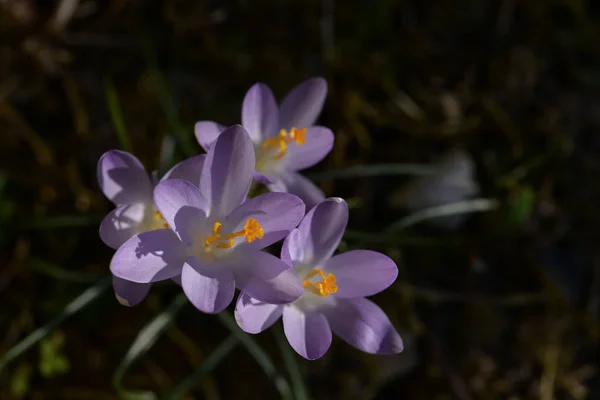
pixel 116 115
pixel 289 358
pixel 73 307
pixel 375 170
pixel 56 272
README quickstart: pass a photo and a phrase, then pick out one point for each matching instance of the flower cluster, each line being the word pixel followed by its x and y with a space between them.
pixel 198 227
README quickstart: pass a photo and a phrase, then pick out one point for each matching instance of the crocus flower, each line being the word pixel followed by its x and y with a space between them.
pixel 219 234
pixel 125 182
pixel 284 138
pixel 334 290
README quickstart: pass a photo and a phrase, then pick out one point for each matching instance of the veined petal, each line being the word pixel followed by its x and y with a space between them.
pixel 318 234
pixel 227 172
pixel 265 277
pixel 294 183
pixel 260 114
pixel 308 333
pixel 209 288
pixel 149 257
pixel 130 293
pixel 254 316
pixel 265 180
pixel 361 273
pixel 303 104
pixel 188 169
pixel 207 133
pixel 122 223
pixel 319 142
pixel 362 324
pixel 123 179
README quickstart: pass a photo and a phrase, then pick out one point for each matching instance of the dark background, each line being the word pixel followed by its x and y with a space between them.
pixel 498 305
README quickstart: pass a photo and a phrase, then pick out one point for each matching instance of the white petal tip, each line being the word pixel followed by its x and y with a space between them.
pixel 122 301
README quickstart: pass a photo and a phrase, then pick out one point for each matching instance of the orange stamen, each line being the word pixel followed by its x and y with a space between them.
pixel 325 287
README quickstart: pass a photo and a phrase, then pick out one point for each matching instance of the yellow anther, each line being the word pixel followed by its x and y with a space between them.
pixel 216 234
pixel 325 287
pixel 252 231
pixel 282 141
pixel 158 218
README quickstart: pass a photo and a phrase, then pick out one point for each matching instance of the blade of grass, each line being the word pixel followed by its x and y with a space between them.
pixel 213 359
pixel 63 221
pixel 116 115
pixel 56 272
pixel 261 357
pixel 289 358
pixel 375 170
pixel 73 307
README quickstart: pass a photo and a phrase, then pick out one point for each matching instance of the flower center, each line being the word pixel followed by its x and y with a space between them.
pixel 325 287
pixel 159 222
pixel 280 143
pixel 252 231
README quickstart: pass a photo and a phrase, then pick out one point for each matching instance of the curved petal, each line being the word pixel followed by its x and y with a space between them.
pixel 265 180
pixel 308 334
pixel 227 172
pixel 319 233
pixel 301 107
pixel 149 257
pixel 294 183
pixel 361 273
pixel 188 169
pixel 277 213
pixel 123 179
pixel 122 223
pixel 130 293
pixel 319 142
pixel 177 196
pixel 362 324
pixel 260 114
pixel 210 289
pixel 207 133
pixel 254 316
pixel 265 277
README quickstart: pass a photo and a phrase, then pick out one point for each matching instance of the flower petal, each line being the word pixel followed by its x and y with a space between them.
pixel 207 133
pixel 277 213
pixel 318 234
pixel 188 169
pixel 209 288
pixel 254 316
pixel 303 104
pixel 149 257
pixel 308 333
pixel 361 273
pixel 130 293
pixel 227 172
pixel 260 114
pixel 362 324
pixel 265 277
pixel 294 183
pixel 319 142
pixel 182 206
pixel 123 179
pixel 122 223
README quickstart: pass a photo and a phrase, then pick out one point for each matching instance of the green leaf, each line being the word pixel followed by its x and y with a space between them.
pixel 291 363
pixel 116 115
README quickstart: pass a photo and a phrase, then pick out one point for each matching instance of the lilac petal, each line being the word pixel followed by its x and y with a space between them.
pixel 149 257
pixel 294 183
pixel 265 180
pixel 277 213
pixel 122 223
pixel 308 333
pixel 130 293
pixel 209 288
pixel 228 170
pixel 177 279
pixel 260 114
pixel 301 107
pixel 123 179
pixel 265 277
pixel 182 206
pixel 319 233
pixel 189 170
pixel 207 133
pixel 362 324
pixel 361 273
pixel 319 142
pixel 254 316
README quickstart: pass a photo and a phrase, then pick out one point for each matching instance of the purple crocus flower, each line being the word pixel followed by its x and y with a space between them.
pixel 219 234
pixel 126 183
pixel 334 290
pixel 285 140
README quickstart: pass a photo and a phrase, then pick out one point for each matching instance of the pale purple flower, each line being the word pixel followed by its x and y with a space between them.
pixel 218 233
pixel 125 182
pixel 284 138
pixel 334 290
